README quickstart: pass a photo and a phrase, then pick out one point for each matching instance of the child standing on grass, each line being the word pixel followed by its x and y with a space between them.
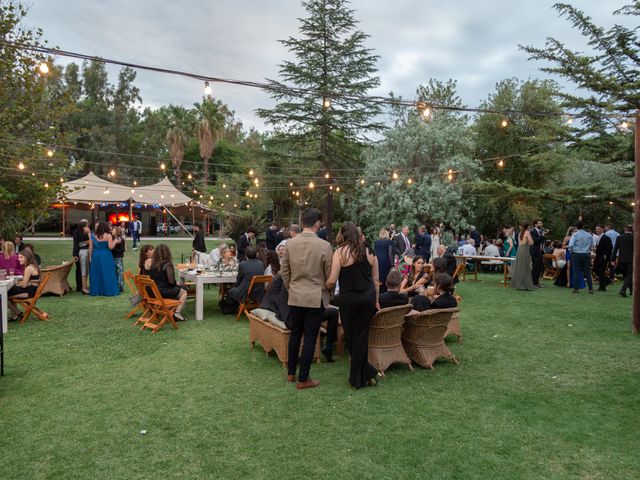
pixel 118 254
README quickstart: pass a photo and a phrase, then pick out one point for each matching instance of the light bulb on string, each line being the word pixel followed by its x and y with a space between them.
pixel 33 174
pixel 224 185
pixel 256 181
pixel 450 175
pixel 326 175
pixel 133 191
pixel 426 113
pixel 211 197
pixel 326 103
pixel 20 166
pixel 337 189
pixel 395 175
pixel 195 191
pixel 226 196
pixel 500 163
pixel 61 180
pixel 135 183
pixel 162 166
pixel 291 184
pixel 569 120
pixel 189 176
pixel 112 173
pixel 311 185
pixel 251 172
pixel 409 181
pixel 247 193
pixel 50 152
pixel 46 184
pixel 207 89
pixel 43 68
pixel 330 187
pixel 624 125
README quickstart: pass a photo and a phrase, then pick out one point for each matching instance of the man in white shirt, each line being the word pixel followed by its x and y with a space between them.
pixel 136 230
pixel 469 248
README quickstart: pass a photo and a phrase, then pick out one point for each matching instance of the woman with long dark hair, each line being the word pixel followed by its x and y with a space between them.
pixel 144 260
pixel 102 269
pixel 415 279
pixel 163 273
pixel 26 287
pixel 521 278
pixel 356 268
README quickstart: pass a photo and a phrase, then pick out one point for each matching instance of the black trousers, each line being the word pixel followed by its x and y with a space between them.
pixel 331 316
pixel 304 321
pixel 356 311
pixel 78 277
pixel 581 266
pixel 626 269
pixel 537 266
pixel 600 269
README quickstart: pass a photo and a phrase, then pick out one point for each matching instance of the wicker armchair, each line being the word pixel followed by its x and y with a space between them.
pixel 58 283
pixel 274 339
pixel 423 336
pixel 385 338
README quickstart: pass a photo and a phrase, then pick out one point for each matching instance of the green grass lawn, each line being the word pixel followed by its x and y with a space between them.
pixel 547 387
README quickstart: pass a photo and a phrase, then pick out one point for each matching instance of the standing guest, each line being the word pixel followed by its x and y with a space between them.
pixel 102 270
pixel 135 229
pixel 246 271
pixel 163 273
pixel 9 259
pixel 521 278
pixel 323 233
pixel 510 248
pixel 244 241
pixel 603 258
pixel 392 297
pixel 216 254
pixel 145 259
pixel 610 232
pixel 198 239
pixel 118 254
pixel 272 233
pixel 294 230
pixel 18 243
pixel 81 255
pixel 435 241
pixel 383 248
pixel 279 236
pixel 356 268
pixel 423 243
pixel 25 288
pixel 623 252
pixel 273 263
pixel 537 252
pixel 580 248
pixel 475 234
pixel 306 265
pixel 392 230
pixel 401 242
pixel 415 281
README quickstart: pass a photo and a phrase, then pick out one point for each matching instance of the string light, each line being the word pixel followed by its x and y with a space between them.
pixel 326 175
pixel 256 181
pixel 61 180
pixel 251 172
pixel 409 181
pixel 624 125
pixel 326 103
pixel 224 185
pixel 207 89
pixel 162 166
pixel 112 173
pixel 211 197
pixel 247 193
pixel 135 183
pixel 189 176
pixel 291 184
pixel 133 191
pixel 49 152
pixel 395 175
pixel 569 120
pixel 43 68
pixel 21 166
pixel 311 185
pixel 450 175
pixel 337 189
pixel 46 184
pixel 226 196
pixel 330 187
pixel 426 113
pixel 504 123
pixel 500 163
pixel 33 174
pixel 195 191
pixel 362 181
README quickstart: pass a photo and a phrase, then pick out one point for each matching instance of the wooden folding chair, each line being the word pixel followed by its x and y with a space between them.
pixel 550 270
pixel 147 313
pixel 130 281
pixel 29 304
pixel 459 270
pixel 248 303
pixel 161 309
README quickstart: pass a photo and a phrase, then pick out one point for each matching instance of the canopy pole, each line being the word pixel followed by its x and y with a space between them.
pixel 193 216
pixel 63 219
pixel 130 212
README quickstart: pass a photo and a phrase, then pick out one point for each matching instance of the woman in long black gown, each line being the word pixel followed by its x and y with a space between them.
pixel 355 267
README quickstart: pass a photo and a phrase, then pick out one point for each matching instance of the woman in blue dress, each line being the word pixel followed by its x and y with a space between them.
pixel 383 248
pixel 102 270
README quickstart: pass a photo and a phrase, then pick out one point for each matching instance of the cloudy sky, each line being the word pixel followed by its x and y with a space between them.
pixel 474 42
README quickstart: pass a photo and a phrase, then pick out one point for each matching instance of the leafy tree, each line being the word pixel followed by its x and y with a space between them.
pixel 606 74
pixel 421 153
pixel 332 70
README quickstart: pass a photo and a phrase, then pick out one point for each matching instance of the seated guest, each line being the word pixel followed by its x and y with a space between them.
pixel 25 288
pixel 276 300
pixel 491 250
pixel 404 265
pixel 234 251
pixel 449 258
pixel 273 263
pixel 35 255
pixel 559 255
pixel 163 273
pixel 9 259
pixel 246 271
pixel 216 254
pixel 469 249
pixel 442 297
pixel 145 259
pixel 261 254
pixel 18 243
pixel 228 260
pixel 417 278
pixel 392 297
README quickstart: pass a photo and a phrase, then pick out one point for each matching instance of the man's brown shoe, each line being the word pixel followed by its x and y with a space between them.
pixel 308 384
pixel 291 378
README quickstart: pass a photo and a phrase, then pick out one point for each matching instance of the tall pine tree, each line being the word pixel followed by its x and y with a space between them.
pixel 332 71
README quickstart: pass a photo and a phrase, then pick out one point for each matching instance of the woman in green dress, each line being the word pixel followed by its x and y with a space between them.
pixel 521 278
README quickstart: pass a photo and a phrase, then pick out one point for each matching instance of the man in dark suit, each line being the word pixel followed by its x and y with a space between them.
pixel 475 234
pixel 603 257
pixel 401 242
pixel 623 250
pixel 323 233
pixel 246 271
pixel 537 253
pixel 244 241
pixel 423 243
pixel 392 297
pixel 198 239
pixel 272 233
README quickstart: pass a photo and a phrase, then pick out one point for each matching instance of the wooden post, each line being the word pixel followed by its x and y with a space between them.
pixel 635 324
pixel 63 219
pixel 193 216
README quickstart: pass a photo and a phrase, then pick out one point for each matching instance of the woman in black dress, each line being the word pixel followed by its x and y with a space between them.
pixel 163 273
pixel 145 259
pixel 383 248
pixel 355 267
pixel 27 287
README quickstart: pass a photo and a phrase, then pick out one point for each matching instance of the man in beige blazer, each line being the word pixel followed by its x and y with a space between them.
pixel 306 265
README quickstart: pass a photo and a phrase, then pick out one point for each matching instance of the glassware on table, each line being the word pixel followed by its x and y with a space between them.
pixel 3 274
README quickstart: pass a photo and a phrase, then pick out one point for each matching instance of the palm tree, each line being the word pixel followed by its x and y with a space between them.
pixel 175 140
pixel 206 141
